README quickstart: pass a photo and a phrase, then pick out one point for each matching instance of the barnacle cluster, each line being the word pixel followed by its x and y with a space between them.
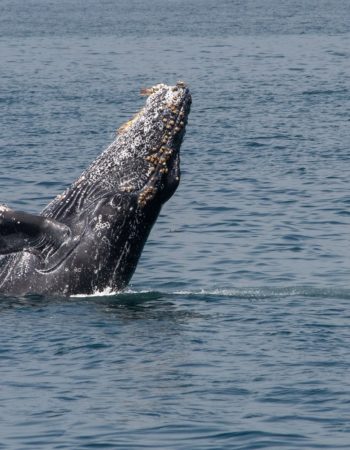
pixel 158 158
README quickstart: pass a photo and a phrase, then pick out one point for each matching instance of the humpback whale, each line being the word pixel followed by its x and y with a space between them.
pixel 90 237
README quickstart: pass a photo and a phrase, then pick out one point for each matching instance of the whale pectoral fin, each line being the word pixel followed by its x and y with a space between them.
pixel 22 231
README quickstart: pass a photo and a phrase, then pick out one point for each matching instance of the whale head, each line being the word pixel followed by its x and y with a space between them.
pixel 110 209
pixel 147 160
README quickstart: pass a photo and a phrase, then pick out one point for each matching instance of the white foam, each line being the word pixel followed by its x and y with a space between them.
pixel 110 292
pixel 104 293
pixel 253 292
pixel 4 208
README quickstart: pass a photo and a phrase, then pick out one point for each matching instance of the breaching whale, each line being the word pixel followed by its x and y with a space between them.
pixel 90 238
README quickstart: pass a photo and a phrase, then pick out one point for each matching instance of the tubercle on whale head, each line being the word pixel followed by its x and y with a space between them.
pixel 152 140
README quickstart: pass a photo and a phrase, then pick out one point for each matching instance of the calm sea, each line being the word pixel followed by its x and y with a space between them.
pixel 235 332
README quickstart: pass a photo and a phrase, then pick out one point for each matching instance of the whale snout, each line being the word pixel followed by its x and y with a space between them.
pixel 147 163
pixel 168 108
pixel 159 128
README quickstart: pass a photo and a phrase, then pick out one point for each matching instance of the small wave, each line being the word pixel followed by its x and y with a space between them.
pixel 325 92
pixel 269 292
pixel 239 293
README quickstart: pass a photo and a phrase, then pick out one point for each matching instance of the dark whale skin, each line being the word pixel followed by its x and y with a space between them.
pixel 90 238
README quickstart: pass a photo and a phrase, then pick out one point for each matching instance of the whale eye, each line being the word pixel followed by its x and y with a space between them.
pixel 115 201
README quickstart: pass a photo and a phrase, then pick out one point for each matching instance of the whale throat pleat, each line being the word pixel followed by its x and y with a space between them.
pixel 72 201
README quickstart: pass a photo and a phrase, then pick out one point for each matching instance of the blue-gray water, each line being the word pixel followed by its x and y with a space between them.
pixel 236 331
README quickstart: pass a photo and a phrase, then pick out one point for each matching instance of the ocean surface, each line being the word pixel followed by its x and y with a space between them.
pixel 235 330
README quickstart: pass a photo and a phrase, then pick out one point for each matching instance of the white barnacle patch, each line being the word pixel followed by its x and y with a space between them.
pixel 24 267
pixel 125 186
pixel 101 224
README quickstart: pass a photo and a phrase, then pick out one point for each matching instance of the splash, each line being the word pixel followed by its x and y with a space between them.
pixel 109 292
pixel 104 293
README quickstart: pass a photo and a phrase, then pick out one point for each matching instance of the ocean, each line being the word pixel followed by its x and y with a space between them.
pixel 235 330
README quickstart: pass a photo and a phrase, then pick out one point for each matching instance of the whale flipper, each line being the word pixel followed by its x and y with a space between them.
pixel 20 231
